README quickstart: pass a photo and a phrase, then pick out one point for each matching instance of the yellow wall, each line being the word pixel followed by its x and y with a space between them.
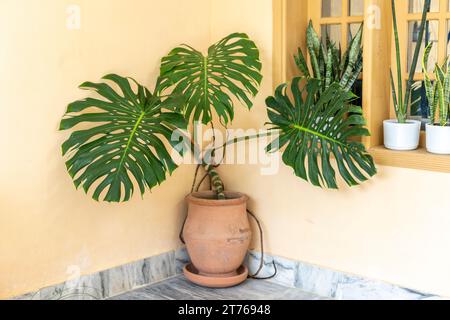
pixel 45 225
pixel 394 228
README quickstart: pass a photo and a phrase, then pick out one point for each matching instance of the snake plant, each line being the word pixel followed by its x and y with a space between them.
pixel 327 62
pixel 312 131
pixel 437 92
pixel 401 102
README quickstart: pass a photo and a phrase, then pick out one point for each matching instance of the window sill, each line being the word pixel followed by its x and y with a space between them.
pixel 418 159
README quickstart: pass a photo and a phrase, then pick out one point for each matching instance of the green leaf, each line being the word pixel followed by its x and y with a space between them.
pixel 312 131
pixel 301 63
pixel 430 89
pixel 209 83
pixel 401 109
pixel 394 93
pixel 125 141
pixel 354 57
pixel 313 45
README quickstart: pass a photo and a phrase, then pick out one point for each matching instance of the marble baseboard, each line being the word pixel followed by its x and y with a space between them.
pixel 112 282
pixel 295 274
pixel 328 283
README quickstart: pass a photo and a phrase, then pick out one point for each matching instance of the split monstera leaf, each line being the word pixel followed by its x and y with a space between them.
pixel 315 127
pixel 122 138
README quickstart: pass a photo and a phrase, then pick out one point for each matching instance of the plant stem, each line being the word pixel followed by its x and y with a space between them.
pixel 216 182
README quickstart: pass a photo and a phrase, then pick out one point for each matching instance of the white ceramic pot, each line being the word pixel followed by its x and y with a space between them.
pixel 401 136
pixel 438 139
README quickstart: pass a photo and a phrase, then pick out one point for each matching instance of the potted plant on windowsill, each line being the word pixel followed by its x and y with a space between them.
pixel 132 131
pixel 403 133
pixel 438 130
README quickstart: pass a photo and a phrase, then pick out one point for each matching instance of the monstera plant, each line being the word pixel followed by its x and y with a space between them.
pixel 133 127
pixel 123 138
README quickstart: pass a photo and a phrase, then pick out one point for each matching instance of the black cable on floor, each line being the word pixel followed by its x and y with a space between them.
pixel 261 264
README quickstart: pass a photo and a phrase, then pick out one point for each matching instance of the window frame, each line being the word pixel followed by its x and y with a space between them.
pixel 315 14
pixel 291 18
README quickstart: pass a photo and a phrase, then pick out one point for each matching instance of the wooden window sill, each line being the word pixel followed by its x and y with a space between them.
pixel 418 159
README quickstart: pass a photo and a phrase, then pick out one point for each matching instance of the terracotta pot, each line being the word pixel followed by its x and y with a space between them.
pixel 217 233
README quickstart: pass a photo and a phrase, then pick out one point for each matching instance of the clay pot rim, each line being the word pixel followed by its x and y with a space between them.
pixel 203 198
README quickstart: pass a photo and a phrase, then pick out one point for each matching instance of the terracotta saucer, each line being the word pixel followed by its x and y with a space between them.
pixel 192 274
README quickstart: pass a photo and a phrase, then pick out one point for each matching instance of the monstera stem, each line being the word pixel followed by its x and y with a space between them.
pixel 216 182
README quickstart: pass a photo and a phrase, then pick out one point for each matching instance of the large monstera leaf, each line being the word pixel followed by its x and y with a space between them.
pixel 231 69
pixel 315 127
pixel 125 140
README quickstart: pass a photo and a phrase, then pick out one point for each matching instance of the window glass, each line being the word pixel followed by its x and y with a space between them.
pixel 358 91
pixel 448 37
pixel 333 31
pixel 431 35
pixel 352 30
pixel 356 8
pixel 416 6
pixel 331 8
pixel 419 102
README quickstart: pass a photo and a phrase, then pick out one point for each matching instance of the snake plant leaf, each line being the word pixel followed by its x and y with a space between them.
pixel 313 45
pixel 430 88
pixel 437 93
pixel 232 68
pixel 301 63
pixel 312 131
pixel 394 91
pixel 442 80
pixel 125 140
pixel 353 60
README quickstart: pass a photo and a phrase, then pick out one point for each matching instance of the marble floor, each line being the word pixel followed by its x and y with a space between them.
pixel 178 288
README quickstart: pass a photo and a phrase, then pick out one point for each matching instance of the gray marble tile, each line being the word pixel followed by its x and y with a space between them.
pixel 309 281
pixel 110 282
pixel 332 284
pixel 286 269
pixel 357 288
pixel 82 288
pixel 317 280
pixel 137 274
pixel 297 294
pixel 179 288
pixel 181 259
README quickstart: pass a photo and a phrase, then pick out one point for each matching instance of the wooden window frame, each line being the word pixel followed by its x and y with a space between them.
pixel 291 18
